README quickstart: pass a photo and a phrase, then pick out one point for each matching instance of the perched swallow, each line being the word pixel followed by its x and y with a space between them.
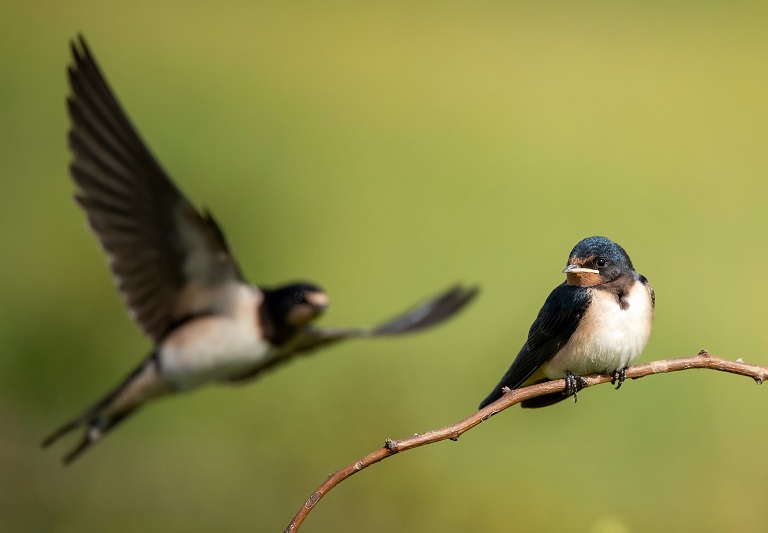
pixel 178 276
pixel 598 320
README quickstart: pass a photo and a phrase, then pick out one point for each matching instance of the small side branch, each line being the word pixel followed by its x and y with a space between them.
pixel 512 397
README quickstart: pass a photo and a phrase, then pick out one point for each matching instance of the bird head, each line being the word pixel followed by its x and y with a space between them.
pixel 297 304
pixel 597 260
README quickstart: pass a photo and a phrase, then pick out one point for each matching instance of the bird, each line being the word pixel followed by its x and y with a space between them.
pixel 178 276
pixel 598 320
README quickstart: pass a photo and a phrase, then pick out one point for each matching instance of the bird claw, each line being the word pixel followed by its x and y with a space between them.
pixel 573 384
pixel 619 376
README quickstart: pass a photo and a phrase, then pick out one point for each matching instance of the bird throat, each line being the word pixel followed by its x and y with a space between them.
pixel 584 279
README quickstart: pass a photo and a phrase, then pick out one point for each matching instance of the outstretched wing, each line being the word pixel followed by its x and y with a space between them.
pixel 425 315
pixel 168 260
pixel 551 330
pixel 430 313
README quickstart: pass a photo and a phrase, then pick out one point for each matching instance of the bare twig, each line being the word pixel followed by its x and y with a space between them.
pixel 512 397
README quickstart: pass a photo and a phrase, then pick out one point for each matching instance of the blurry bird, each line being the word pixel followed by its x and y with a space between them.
pixel 598 320
pixel 178 276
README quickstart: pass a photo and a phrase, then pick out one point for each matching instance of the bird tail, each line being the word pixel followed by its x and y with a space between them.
pixel 142 384
pixel 540 401
pixel 492 397
pixel 514 378
pixel 96 427
pixel 544 401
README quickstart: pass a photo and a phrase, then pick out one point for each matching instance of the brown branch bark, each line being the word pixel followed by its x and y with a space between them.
pixel 510 398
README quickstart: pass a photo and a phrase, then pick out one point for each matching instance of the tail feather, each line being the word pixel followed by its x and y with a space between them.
pixel 497 393
pixel 540 401
pixel 98 420
pixel 87 441
pixel 66 428
pixel 96 426
pixel 94 431
pixel 544 401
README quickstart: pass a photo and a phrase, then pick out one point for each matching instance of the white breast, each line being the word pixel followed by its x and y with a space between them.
pixel 609 338
pixel 216 347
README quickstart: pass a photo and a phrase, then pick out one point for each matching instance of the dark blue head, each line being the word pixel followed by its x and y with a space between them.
pixel 289 308
pixel 597 260
pixel 297 303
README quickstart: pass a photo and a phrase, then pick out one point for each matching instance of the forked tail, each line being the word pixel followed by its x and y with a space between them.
pixel 142 384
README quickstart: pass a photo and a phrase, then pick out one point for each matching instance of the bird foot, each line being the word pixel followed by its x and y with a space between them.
pixel 573 384
pixel 618 377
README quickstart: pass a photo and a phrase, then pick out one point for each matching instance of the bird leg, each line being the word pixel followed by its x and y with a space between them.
pixel 573 384
pixel 619 376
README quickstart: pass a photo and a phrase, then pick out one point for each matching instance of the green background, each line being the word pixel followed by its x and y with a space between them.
pixel 384 152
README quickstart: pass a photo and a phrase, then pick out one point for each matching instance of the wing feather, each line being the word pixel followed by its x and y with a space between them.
pixel 158 244
pixel 554 325
pixel 425 315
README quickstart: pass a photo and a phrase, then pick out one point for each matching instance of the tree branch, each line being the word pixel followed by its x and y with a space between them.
pixel 512 397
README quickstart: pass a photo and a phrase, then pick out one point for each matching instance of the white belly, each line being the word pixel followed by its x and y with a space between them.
pixel 609 338
pixel 215 347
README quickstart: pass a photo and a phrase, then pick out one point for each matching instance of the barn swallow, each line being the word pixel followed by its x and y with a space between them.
pixel 179 277
pixel 598 320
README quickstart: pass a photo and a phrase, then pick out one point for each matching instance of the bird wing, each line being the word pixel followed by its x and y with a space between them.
pixel 644 280
pixel 168 260
pixel 553 327
pixel 423 316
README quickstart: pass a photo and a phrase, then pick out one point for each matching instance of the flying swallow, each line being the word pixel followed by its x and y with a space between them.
pixel 178 275
pixel 598 320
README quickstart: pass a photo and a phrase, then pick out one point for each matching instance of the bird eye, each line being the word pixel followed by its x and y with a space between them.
pixel 298 297
pixel 600 263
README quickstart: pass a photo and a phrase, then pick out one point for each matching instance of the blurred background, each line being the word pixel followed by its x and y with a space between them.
pixel 386 152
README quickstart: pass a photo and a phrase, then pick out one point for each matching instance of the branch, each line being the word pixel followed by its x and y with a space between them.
pixel 512 397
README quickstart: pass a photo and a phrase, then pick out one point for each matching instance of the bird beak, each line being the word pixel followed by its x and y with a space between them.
pixel 319 300
pixel 576 269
